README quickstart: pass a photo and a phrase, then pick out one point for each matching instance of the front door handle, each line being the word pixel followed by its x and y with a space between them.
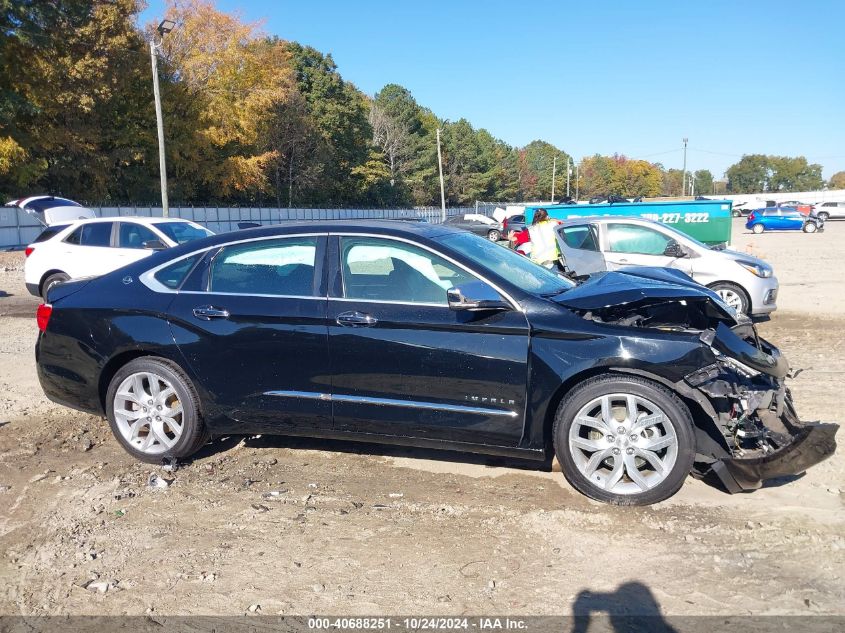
pixel 356 319
pixel 206 313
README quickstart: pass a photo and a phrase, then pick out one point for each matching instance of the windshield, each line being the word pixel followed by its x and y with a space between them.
pixel 514 268
pixel 181 232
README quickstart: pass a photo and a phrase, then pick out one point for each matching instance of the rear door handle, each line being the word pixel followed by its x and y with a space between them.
pixel 356 319
pixel 206 313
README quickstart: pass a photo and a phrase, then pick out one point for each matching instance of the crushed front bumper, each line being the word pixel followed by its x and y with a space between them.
pixel 812 443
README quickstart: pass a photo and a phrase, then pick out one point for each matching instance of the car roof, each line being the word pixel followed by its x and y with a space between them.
pixel 607 218
pixel 136 219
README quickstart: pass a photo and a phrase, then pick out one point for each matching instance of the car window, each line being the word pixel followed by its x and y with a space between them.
pixel 631 238
pixel 50 232
pixel 43 204
pixel 455 220
pixel 93 234
pixel 378 269
pixel 181 232
pixel 283 266
pixel 581 237
pixel 131 235
pixel 173 275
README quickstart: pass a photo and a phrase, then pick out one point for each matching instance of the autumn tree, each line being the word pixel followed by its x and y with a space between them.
pixel 240 79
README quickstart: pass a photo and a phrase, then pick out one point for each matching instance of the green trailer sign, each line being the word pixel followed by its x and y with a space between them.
pixel 708 221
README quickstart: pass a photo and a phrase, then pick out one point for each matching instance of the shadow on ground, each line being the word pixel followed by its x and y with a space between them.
pixel 632 607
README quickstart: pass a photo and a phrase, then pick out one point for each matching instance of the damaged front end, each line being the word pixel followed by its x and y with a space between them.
pixel 755 434
pixel 746 388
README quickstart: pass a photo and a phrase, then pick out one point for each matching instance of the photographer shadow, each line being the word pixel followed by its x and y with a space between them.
pixel 631 608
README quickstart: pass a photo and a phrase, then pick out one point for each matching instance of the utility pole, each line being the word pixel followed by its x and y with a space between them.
pixel 684 175
pixel 568 173
pixel 164 27
pixel 554 171
pixel 442 188
pixel 577 180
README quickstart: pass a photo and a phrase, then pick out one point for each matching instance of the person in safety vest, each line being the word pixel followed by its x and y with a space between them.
pixel 543 242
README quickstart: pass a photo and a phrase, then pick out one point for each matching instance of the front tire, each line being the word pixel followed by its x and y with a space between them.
pixel 732 295
pixel 52 280
pixel 824 216
pixel 624 440
pixel 153 411
pixel 494 235
pixel 758 228
pixel 810 227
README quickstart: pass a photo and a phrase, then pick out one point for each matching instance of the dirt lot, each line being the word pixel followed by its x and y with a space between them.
pixel 328 527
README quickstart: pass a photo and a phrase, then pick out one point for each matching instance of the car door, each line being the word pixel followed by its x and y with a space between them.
pixel 625 244
pixel 792 220
pixel 405 364
pixel 251 323
pixel 579 248
pixel 130 239
pixel 88 250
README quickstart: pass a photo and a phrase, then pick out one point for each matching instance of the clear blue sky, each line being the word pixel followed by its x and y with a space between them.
pixel 632 76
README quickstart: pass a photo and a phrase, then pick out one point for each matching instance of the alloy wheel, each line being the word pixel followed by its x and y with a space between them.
pixel 148 413
pixel 732 298
pixel 622 443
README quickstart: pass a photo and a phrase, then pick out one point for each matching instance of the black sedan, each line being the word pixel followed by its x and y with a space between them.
pixel 426 336
pixel 478 224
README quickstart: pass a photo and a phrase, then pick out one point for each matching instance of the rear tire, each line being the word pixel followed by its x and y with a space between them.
pixel 153 410
pixel 758 228
pixel 51 281
pixel 624 440
pixel 824 216
pixel 494 235
pixel 733 295
pixel 810 227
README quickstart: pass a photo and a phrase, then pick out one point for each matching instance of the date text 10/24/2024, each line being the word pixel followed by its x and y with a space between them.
pixel 418 623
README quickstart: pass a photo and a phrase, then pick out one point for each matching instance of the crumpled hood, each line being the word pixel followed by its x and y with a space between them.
pixel 642 284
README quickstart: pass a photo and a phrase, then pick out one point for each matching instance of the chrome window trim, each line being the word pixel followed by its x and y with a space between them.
pixel 509 299
pixel 148 277
pixel 391 402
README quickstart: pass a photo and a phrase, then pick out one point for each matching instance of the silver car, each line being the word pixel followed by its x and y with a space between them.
pixel 590 245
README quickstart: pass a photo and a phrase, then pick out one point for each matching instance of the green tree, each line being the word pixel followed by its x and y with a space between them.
pixel 750 175
pixel 837 180
pixel 338 112
pixel 703 182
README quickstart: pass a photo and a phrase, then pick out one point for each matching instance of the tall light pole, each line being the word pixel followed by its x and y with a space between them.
pixel 442 187
pixel 554 173
pixel 165 27
pixel 684 175
pixel 577 181
pixel 568 174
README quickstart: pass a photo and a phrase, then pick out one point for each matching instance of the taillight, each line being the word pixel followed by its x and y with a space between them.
pixel 29 250
pixel 42 316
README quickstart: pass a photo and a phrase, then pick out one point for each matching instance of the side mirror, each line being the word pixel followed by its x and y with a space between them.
pixel 475 296
pixel 673 249
pixel 154 245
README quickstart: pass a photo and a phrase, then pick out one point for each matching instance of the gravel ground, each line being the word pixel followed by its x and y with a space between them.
pixel 279 525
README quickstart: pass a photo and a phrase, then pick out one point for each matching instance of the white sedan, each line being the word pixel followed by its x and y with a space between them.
pixel 86 248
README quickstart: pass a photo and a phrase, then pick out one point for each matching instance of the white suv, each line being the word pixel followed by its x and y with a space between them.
pixel 831 210
pixel 88 248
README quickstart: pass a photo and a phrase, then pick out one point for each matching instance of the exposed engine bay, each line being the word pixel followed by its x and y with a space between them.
pixel 758 434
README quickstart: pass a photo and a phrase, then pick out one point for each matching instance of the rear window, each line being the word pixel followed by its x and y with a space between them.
pixel 173 275
pixel 181 232
pixel 50 232
pixel 48 203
